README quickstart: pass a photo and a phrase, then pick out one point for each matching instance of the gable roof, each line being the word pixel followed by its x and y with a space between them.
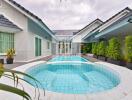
pixel 6 23
pixel 96 20
pixel 91 24
pixel 24 9
pixel 30 14
pixel 127 8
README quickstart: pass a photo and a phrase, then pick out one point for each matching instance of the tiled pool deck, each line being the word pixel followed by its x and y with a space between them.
pixel 122 92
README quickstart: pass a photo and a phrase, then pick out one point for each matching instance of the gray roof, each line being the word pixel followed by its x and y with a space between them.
pixel 128 15
pixel 30 13
pixel 6 23
pixel 123 18
pixel 65 32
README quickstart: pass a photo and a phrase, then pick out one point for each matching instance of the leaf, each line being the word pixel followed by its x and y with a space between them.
pixel 14 78
pixel 24 74
pixel 1 69
pixel 15 91
pixel 18 78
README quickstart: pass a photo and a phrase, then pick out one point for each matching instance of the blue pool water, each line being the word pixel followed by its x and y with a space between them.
pixel 68 58
pixel 73 78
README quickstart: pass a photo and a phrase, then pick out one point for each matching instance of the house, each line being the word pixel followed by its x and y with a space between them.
pixel 25 32
pixel 118 25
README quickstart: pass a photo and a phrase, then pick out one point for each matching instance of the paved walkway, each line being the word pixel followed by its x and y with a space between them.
pixel 11 66
pixel 16 64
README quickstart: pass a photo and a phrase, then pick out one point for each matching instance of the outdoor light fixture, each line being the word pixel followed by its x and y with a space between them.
pixel 130 20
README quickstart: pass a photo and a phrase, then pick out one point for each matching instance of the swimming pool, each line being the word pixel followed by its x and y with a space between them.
pixel 68 58
pixel 74 78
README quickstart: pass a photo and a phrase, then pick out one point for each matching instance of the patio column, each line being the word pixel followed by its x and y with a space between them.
pixel 71 47
pixel 68 48
pixel 56 48
pixel 65 47
pixel 61 46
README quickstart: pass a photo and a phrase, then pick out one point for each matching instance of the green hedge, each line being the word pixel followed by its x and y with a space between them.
pixel 107 51
pixel 86 48
pixel 114 49
pixel 101 48
pixel 94 48
pixel 128 48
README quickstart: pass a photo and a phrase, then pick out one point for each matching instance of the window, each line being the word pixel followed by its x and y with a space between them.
pixel 48 45
pixel 37 46
pixel 6 42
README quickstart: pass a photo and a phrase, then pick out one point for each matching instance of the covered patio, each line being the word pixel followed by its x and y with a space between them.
pixel 120 29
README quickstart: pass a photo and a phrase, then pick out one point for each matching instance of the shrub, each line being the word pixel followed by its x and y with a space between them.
pixel 107 51
pixel 128 48
pixel 101 48
pixel 97 49
pixel 114 49
pixel 94 48
pixel 10 53
pixel 86 48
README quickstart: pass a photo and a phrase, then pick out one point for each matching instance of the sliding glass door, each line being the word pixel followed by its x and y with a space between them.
pixel 38 47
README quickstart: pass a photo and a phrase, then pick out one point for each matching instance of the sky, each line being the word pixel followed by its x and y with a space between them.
pixel 73 14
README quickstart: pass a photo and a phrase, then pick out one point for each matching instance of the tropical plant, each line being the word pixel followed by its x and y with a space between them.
pixel 114 49
pixel 101 48
pixel 86 48
pixel 128 48
pixel 107 51
pixel 15 76
pixel 97 48
pixel 10 53
pixel 94 48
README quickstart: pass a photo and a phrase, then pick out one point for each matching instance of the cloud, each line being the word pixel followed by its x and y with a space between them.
pixel 73 14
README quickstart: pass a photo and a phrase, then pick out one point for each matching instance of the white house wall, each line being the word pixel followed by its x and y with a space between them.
pixel 20 38
pixel 31 47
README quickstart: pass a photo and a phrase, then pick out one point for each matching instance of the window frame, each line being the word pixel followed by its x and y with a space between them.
pixel 48 45
pixel 7 41
pixel 38 46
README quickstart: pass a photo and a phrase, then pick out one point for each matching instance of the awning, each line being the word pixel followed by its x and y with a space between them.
pixel 123 27
pixel 8 26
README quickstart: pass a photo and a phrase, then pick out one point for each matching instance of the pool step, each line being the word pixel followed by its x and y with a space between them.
pixel 52 82
pixel 84 77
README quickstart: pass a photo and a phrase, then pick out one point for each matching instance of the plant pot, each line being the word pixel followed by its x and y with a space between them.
pixel 9 60
pixel 102 58
pixel 123 63
pixel 129 65
pixel 117 62
pixel 95 56
pixel 2 61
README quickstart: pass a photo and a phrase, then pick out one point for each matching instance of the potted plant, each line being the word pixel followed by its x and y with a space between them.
pixel 2 61
pixel 101 51
pixel 114 51
pixel 128 51
pixel 10 56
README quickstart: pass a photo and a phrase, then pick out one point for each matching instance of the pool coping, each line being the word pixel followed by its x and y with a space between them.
pixel 122 92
